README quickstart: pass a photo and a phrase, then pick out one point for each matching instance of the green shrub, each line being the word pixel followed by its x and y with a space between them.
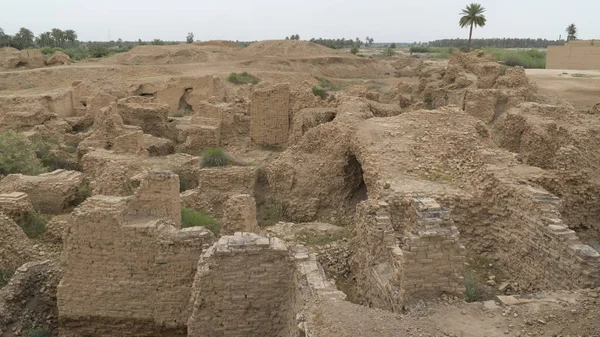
pixel 17 155
pixel 157 42
pixel 269 212
pixel 48 158
pixel 388 52
pixel 354 50
pixel 39 332
pixel 243 78
pixel 5 276
pixel 476 291
pixel 84 191
pixel 428 102
pixel 214 157
pixel 532 58
pixel 329 85
pixel 33 224
pixel 98 50
pixel 192 218
pixel 318 91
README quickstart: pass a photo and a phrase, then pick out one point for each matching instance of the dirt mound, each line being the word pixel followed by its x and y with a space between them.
pixel 218 43
pixel 287 48
pixel 59 58
pixel 173 54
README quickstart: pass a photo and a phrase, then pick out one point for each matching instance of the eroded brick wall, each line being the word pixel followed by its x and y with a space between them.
pixel 245 286
pixel 270 111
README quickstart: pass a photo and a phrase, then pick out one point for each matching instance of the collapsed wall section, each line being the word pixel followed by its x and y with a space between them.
pixel 245 286
pixel 127 268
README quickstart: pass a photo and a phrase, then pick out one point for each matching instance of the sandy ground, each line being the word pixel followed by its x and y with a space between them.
pixel 582 90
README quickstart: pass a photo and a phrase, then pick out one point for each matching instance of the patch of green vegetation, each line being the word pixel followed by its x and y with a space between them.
pixel 33 224
pixel 387 52
pixel 354 50
pixel 177 114
pixel 98 50
pixel 584 75
pixel 43 150
pixel 419 49
pixel 318 91
pixel 429 102
pixel 531 58
pixel 5 276
pixel 328 85
pixel 313 239
pixel 476 290
pixel 243 78
pixel 214 157
pixel 17 155
pixel 193 218
pixel 39 332
pixel 269 212
pixel 84 191
pixel 318 317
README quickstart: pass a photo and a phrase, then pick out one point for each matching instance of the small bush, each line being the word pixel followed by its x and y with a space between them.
pixel 476 291
pixel 5 276
pixel 84 191
pixel 354 50
pixel 318 91
pixel 329 85
pixel 17 155
pixel 33 224
pixel 419 49
pixel 388 52
pixel 192 218
pixel 98 50
pixel 243 78
pixel 429 102
pixel 269 212
pixel 39 332
pixel 157 42
pixel 214 157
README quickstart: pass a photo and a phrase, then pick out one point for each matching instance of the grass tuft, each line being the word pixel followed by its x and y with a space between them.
pixel 192 218
pixel 318 91
pixel 39 332
pixel 33 224
pixel 476 291
pixel 243 78
pixel 5 276
pixel 214 157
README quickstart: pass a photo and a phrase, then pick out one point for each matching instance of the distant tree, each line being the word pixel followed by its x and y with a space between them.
pixel 58 36
pixel 190 38
pixel 70 36
pixel 4 39
pixel 354 50
pixel 369 41
pixel 157 42
pixel 358 42
pixel 23 39
pixel 571 32
pixel 119 43
pixel 393 46
pixel 287 37
pixel 45 40
pixel 472 16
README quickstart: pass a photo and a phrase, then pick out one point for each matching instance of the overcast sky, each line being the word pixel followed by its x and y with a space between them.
pixel 245 20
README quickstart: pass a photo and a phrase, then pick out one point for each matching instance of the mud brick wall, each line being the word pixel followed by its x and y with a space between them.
pixel 128 270
pixel 522 229
pixel 425 264
pixel 15 205
pixel 245 286
pixel 239 215
pixel 217 185
pixel 433 256
pixel 579 55
pixel 157 196
pixel 50 193
pixel 270 110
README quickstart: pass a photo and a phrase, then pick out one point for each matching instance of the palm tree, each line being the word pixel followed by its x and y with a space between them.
pixel 45 40
pixel 571 32
pixel 70 36
pixel 471 16
pixel 59 37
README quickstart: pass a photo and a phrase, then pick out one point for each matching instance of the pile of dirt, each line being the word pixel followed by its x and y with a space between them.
pixel 218 43
pixel 173 54
pixel 287 48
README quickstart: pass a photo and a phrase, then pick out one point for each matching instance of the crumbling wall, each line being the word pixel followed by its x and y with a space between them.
pixel 239 215
pixel 15 247
pixel 307 119
pixel 151 117
pixel 250 281
pixel 199 133
pixel 270 112
pixel 15 205
pixel 217 185
pixel 143 266
pixel 426 263
pixel 50 193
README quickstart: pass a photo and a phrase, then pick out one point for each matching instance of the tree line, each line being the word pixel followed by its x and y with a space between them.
pixel 24 38
pixel 343 43
pixel 496 43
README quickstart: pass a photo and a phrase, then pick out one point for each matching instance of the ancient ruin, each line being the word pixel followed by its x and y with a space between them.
pixel 175 197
